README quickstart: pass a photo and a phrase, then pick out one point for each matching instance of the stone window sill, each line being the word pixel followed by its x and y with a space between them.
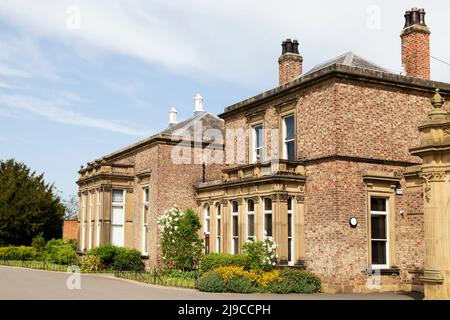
pixel 385 272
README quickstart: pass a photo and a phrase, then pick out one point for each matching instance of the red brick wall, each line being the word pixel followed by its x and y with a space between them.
pixel 70 229
pixel 290 67
pixel 416 52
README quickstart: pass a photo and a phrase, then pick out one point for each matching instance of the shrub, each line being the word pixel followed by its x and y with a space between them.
pixel 212 261
pixel 237 279
pixel 261 254
pixel 91 263
pixel 128 260
pixel 181 246
pixel 39 243
pixel 106 253
pixel 296 281
pixel 61 251
pixel 18 253
pixel 211 282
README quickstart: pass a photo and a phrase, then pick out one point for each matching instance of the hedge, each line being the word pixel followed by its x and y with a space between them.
pixel 18 253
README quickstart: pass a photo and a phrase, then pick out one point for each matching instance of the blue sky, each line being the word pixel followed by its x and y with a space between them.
pixel 79 79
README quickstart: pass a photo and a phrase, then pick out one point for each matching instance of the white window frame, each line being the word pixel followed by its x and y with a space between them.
pixel 83 221
pixel 119 204
pixel 99 208
pixel 292 237
pixel 144 230
pixel 255 148
pixel 266 212
pixel 218 227
pixel 285 141
pixel 234 238
pixel 250 213
pixel 207 219
pixel 381 213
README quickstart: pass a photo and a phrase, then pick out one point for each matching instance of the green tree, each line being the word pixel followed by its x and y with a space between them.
pixel 71 208
pixel 181 245
pixel 28 205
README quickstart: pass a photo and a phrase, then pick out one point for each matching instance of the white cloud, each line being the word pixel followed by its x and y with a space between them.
pixel 57 110
pixel 4 85
pixel 8 71
pixel 233 40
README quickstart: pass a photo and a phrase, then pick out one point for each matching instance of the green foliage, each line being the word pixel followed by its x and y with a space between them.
pixel 18 253
pixel 71 208
pixel 39 243
pixel 261 254
pixel 211 282
pixel 215 282
pixel 91 263
pixel 296 281
pixel 28 205
pixel 106 253
pixel 117 258
pixel 181 245
pixel 128 260
pixel 212 261
pixel 61 251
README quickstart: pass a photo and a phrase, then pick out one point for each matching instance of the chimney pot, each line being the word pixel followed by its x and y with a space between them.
pixel 172 116
pixel 290 62
pixel 416 45
pixel 198 103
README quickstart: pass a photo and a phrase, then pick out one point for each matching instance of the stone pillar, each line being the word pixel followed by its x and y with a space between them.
pixel 280 227
pixel 226 231
pixel 299 230
pixel 434 149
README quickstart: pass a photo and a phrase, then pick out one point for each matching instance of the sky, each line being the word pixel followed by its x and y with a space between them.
pixel 80 79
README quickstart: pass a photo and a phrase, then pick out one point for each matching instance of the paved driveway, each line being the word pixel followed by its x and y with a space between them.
pixel 20 283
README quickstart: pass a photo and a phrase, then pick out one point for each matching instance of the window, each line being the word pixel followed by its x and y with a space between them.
pixel 257 143
pixel 83 221
pixel 379 232
pixel 251 220
pixel 290 231
pixel 218 226
pixel 117 217
pixel 267 217
pixel 145 200
pixel 99 208
pixel 289 137
pixel 91 218
pixel 206 226
pixel 235 228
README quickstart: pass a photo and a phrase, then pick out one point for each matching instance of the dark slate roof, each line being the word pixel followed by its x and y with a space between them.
pixel 348 59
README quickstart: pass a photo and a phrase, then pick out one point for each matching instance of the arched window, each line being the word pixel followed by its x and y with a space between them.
pixel 251 220
pixel 206 226
pixel 234 227
pixel 218 227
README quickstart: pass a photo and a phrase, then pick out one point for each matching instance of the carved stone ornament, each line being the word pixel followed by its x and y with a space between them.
pixel 300 198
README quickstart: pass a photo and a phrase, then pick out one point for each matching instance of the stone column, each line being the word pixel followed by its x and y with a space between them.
pixel 226 217
pixel 299 230
pixel 280 227
pixel 434 149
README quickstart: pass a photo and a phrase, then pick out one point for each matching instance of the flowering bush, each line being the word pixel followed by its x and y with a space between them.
pixel 261 255
pixel 181 246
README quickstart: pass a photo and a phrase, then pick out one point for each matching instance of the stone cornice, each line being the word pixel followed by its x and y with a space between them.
pixel 337 71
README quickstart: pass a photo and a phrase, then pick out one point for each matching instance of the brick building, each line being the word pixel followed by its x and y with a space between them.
pixel 320 163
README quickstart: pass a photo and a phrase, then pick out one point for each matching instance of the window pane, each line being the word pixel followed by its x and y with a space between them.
pixel 235 226
pixel 378 204
pixel 250 205
pixel 145 214
pixel 289 225
pixel 146 195
pixel 289 127
pixel 378 227
pixel 289 204
pixel 267 204
pixel 290 150
pixel 251 225
pixel 378 252
pixel 268 224
pixel 219 227
pixel 207 213
pixel 117 196
pixel 289 250
pixel 117 215
pixel 258 136
pixel 219 209
pixel 235 245
pixel 207 225
pixel 235 206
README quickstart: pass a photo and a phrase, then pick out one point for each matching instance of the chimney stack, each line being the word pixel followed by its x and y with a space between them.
pixel 416 45
pixel 172 116
pixel 198 104
pixel 290 61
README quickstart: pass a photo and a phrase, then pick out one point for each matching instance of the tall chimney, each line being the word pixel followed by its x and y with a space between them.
pixel 416 45
pixel 290 61
pixel 198 103
pixel 172 116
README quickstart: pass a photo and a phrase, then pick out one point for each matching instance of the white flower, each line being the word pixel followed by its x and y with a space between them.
pixel 274 264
